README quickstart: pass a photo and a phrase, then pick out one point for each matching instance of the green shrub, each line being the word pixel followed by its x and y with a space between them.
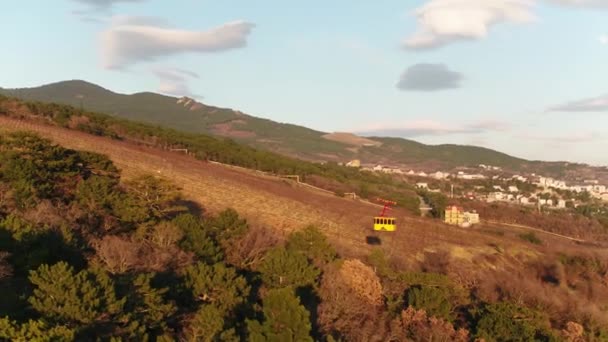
pixel 531 237
pixel 436 301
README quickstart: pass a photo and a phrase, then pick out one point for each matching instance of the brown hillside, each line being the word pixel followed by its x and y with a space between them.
pixel 493 259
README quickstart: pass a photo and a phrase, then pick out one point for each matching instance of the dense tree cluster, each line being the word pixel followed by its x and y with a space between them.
pixel 86 255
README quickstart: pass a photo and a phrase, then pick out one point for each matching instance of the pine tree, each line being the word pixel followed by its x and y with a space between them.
pixel 282 268
pixel 285 319
pixel 34 331
pixel 197 239
pixel 148 309
pixel 313 244
pixel 227 225
pixel 206 325
pixel 65 297
pixel 217 285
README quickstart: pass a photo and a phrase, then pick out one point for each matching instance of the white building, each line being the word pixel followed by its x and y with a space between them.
pixel 463 175
pixel 422 185
pixel 561 204
pixel 513 188
pixel 354 163
pixel 440 175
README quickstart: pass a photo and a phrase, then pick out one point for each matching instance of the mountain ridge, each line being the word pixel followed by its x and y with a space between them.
pixel 288 139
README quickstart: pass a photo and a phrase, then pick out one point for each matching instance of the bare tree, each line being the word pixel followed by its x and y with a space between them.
pixel 349 304
pixel 117 254
pixel 249 249
pixel 165 234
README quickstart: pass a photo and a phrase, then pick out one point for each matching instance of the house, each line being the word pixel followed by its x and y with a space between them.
pixel 440 175
pixel 471 217
pixel 422 174
pixel 497 196
pixel 455 215
pixel 422 185
pixel 561 204
pixel 470 177
pixel 524 200
pixel 513 188
pixel 498 187
pixel 542 201
pixel 411 172
pixel 550 202
pixel 378 168
pixel 354 163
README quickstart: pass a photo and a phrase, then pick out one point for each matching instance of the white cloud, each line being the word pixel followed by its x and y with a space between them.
pixel 129 40
pixel 174 81
pixel 429 77
pixel 594 104
pixel 441 22
pixel 419 128
pixel 104 4
pixel 604 39
pixel 582 3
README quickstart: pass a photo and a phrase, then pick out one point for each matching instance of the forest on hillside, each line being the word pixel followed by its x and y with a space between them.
pixel 330 176
pixel 87 255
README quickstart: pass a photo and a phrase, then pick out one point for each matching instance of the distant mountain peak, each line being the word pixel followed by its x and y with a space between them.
pixel 189 103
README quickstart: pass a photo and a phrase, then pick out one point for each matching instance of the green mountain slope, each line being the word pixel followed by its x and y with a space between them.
pixel 190 116
pixel 187 115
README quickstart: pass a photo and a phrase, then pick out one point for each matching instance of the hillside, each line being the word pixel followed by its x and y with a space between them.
pixel 190 116
pixel 483 282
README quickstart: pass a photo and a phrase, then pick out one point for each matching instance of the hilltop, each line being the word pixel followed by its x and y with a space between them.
pixel 188 115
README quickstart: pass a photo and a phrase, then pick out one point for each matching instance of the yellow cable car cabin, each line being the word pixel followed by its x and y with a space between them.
pixel 387 224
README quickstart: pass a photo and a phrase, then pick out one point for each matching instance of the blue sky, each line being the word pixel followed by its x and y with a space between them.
pixel 526 77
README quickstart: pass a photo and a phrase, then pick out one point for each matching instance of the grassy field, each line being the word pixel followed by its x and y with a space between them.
pixel 275 203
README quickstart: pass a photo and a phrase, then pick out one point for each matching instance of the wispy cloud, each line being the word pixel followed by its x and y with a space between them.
pixel 575 137
pixel 419 128
pixel 96 11
pixel 604 39
pixel 104 4
pixel 429 77
pixel 582 3
pixel 441 22
pixel 594 104
pixel 130 40
pixel 174 81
